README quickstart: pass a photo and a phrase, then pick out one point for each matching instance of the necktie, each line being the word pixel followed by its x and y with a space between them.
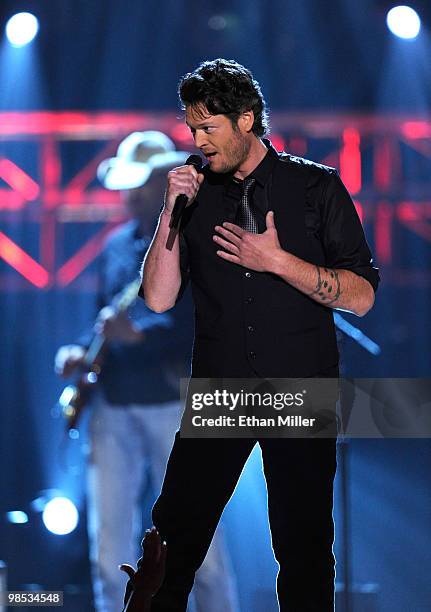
pixel 245 215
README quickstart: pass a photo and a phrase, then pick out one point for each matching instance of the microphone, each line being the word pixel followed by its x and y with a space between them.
pixel 182 199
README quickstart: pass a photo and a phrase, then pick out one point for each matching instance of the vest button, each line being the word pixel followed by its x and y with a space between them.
pixel 252 354
pixel 248 274
pixel 250 328
pixel 248 300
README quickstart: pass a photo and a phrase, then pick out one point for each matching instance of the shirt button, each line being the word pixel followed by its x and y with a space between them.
pixel 252 354
pixel 250 328
pixel 248 274
pixel 248 300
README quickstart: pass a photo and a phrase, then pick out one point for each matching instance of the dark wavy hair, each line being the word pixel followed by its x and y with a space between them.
pixel 225 87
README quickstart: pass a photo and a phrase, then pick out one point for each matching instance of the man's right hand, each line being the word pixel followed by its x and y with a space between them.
pixel 68 358
pixel 182 180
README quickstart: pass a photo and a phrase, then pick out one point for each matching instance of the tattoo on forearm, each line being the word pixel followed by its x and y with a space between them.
pixel 319 282
pixel 328 286
pixel 334 276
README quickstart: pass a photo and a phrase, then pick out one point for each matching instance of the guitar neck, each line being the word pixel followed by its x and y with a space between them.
pixel 94 350
pixel 120 302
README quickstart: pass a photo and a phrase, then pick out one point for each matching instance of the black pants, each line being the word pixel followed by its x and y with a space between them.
pixel 201 477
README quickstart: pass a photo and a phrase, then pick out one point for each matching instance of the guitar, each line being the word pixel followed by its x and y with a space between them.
pixel 75 396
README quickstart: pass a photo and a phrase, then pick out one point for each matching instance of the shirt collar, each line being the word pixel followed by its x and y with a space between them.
pixel 263 170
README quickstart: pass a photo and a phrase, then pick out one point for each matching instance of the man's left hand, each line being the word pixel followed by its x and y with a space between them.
pixel 253 251
pixel 117 326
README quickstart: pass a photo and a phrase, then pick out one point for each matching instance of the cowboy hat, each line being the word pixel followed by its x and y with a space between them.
pixel 137 156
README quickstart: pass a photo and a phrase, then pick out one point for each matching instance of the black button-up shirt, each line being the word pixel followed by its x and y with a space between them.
pixel 253 323
pixel 329 213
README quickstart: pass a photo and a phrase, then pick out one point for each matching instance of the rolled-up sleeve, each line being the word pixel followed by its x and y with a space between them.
pixel 342 234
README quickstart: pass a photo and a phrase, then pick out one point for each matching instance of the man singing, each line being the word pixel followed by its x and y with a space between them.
pixel 271 243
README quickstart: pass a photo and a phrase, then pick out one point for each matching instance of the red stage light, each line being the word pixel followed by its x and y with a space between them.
pixel 181 133
pixel 278 142
pixel 22 262
pixel 350 160
pixel 383 232
pixel 77 199
pixel 416 129
pixel 19 180
pixel 83 257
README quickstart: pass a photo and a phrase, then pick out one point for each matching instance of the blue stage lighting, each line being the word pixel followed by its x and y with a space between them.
pixel 21 29
pixel 60 516
pixel 18 517
pixel 403 22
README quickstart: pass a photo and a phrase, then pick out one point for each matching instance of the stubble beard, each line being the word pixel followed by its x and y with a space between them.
pixel 237 150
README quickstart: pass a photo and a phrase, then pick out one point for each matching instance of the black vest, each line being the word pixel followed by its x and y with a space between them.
pixel 253 323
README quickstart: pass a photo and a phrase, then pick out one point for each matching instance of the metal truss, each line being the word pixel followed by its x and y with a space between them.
pixel 384 161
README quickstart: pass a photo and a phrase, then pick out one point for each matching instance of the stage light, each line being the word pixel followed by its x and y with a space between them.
pixel 17 517
pixel 60 516
pixel 404 22
pixel 21 29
